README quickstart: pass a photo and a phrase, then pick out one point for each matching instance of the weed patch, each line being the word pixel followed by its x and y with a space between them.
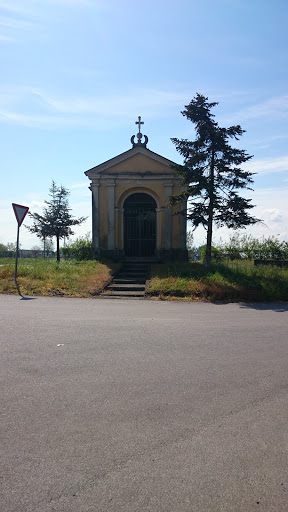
pixel 47 277
pixel 237 280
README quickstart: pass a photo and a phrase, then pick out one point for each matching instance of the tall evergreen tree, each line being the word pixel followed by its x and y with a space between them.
pixel 56 219
pixel 212 173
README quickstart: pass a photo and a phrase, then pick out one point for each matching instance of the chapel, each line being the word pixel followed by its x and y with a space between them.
pixel 131 218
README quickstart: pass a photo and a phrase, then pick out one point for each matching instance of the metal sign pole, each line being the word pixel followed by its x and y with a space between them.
pixel 20 213
pixel 17 248
pixel 16 262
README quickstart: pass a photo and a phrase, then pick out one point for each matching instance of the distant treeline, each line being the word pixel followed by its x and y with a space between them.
pixel 9 250
pixel 249 247
pixel 240 247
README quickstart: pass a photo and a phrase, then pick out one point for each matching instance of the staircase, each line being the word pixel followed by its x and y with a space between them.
pixel 130 281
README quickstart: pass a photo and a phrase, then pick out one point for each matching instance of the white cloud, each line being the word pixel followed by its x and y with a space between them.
pixel 268 165
pixel 8 224
pixel 36 206
pixel 11 6
pixel 36 121
pixel 271 207
pixel 12 23
pixel 272 108
pixel 32 16
pixel 102 111
pixel 6 38
pixel 83 184
pixel 273 215
pixel 118 103
pixel 30 6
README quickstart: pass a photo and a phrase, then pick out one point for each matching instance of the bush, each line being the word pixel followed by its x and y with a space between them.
pixel 248 247
pixel 216 254
pixel 81 249
pixel 3 251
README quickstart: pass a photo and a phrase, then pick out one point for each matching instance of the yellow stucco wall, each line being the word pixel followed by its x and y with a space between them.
pixel 124 191
pixel 139 163
pixel 139 173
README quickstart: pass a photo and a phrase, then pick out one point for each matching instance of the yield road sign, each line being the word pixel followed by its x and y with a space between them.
pixel 20 212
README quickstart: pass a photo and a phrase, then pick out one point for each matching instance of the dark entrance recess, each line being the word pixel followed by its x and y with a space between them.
pixel 140 225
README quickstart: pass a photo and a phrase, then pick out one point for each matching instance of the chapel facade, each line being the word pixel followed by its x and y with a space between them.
pixel 131 217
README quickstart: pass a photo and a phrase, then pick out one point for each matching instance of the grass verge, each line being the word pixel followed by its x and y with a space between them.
pixel 226 281
pixel 47 277
pixel 229 281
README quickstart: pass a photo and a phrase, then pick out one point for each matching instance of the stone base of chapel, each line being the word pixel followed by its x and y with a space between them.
pixel 159 256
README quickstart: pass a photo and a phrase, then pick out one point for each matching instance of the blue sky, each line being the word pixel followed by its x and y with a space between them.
pixel 76 74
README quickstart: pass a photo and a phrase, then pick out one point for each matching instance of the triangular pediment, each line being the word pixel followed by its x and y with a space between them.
pixel 136 160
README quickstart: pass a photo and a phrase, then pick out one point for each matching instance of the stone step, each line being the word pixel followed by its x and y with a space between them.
pixel 123 297
pixel 144 267
pixel 130 281
pixel 123 280
pixel 126 287
pixel 122 294
pixel 136 264
pixel 131 273
pixel 134 270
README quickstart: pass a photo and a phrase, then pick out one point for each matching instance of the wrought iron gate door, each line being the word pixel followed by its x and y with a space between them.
pixel 140 227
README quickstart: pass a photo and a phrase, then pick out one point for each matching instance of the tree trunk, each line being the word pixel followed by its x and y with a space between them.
pixel 58 247
pixel 209 240
pixel 210 214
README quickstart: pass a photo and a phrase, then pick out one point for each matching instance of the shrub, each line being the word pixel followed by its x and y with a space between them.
pixel 81 249
pixel 3 250
pixel 216 254
pixel 246 246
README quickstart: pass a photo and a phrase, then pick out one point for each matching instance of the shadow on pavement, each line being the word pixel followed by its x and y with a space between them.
pixel 276 307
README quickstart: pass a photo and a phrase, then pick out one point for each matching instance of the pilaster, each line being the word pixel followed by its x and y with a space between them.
pixel 168 216
pixel 111 215
pixel 95 216
pixel 183 226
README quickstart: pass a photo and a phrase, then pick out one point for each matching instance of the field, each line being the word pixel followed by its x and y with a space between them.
pixel 47 277
pixel 237 280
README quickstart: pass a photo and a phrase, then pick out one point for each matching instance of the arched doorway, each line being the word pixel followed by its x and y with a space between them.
pixel 140 225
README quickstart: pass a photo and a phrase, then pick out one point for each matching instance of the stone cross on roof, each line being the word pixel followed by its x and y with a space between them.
pixel 139 122
pixel 139 135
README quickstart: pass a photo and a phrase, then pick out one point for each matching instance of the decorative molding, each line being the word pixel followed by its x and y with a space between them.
pixel 136 190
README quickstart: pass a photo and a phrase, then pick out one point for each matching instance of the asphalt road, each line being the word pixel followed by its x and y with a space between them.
pixel 127 406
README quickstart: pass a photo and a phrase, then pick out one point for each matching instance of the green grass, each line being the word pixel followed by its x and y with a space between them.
pixel 236 280
pixel 47 277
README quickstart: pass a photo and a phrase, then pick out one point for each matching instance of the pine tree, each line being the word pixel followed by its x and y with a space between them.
pixel 212 174
pixel 56 219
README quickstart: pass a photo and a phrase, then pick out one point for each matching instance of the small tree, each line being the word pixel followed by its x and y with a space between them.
pixel 35 251
pixel 212 174
pixel 11 248
pixel 247 246
pixel 48 247
pixel 190 240
pixel 56 219
pixel 193 251
pixel 3 250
